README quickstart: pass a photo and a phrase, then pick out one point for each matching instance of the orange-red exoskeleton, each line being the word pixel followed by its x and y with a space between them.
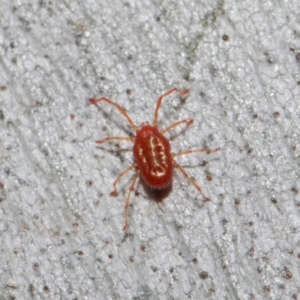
pixel 154 160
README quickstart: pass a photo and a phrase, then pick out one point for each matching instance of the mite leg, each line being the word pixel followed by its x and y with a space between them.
pixel 181 92
pixel 118 138
pixel 128 199
pixel 187 122
pixel 207 150
pixel 206 199
pixel 121 110
pixel 114 192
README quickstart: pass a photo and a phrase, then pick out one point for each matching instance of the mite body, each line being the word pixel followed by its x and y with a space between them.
pixel 154 161
pixel 152 152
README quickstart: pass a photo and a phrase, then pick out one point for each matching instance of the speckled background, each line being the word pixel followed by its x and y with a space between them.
pixel 60 231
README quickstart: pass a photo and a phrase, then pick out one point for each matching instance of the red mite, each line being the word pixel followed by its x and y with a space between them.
pixel 154 160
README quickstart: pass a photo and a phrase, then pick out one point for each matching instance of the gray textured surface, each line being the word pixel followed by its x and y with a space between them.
pixel 60 230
